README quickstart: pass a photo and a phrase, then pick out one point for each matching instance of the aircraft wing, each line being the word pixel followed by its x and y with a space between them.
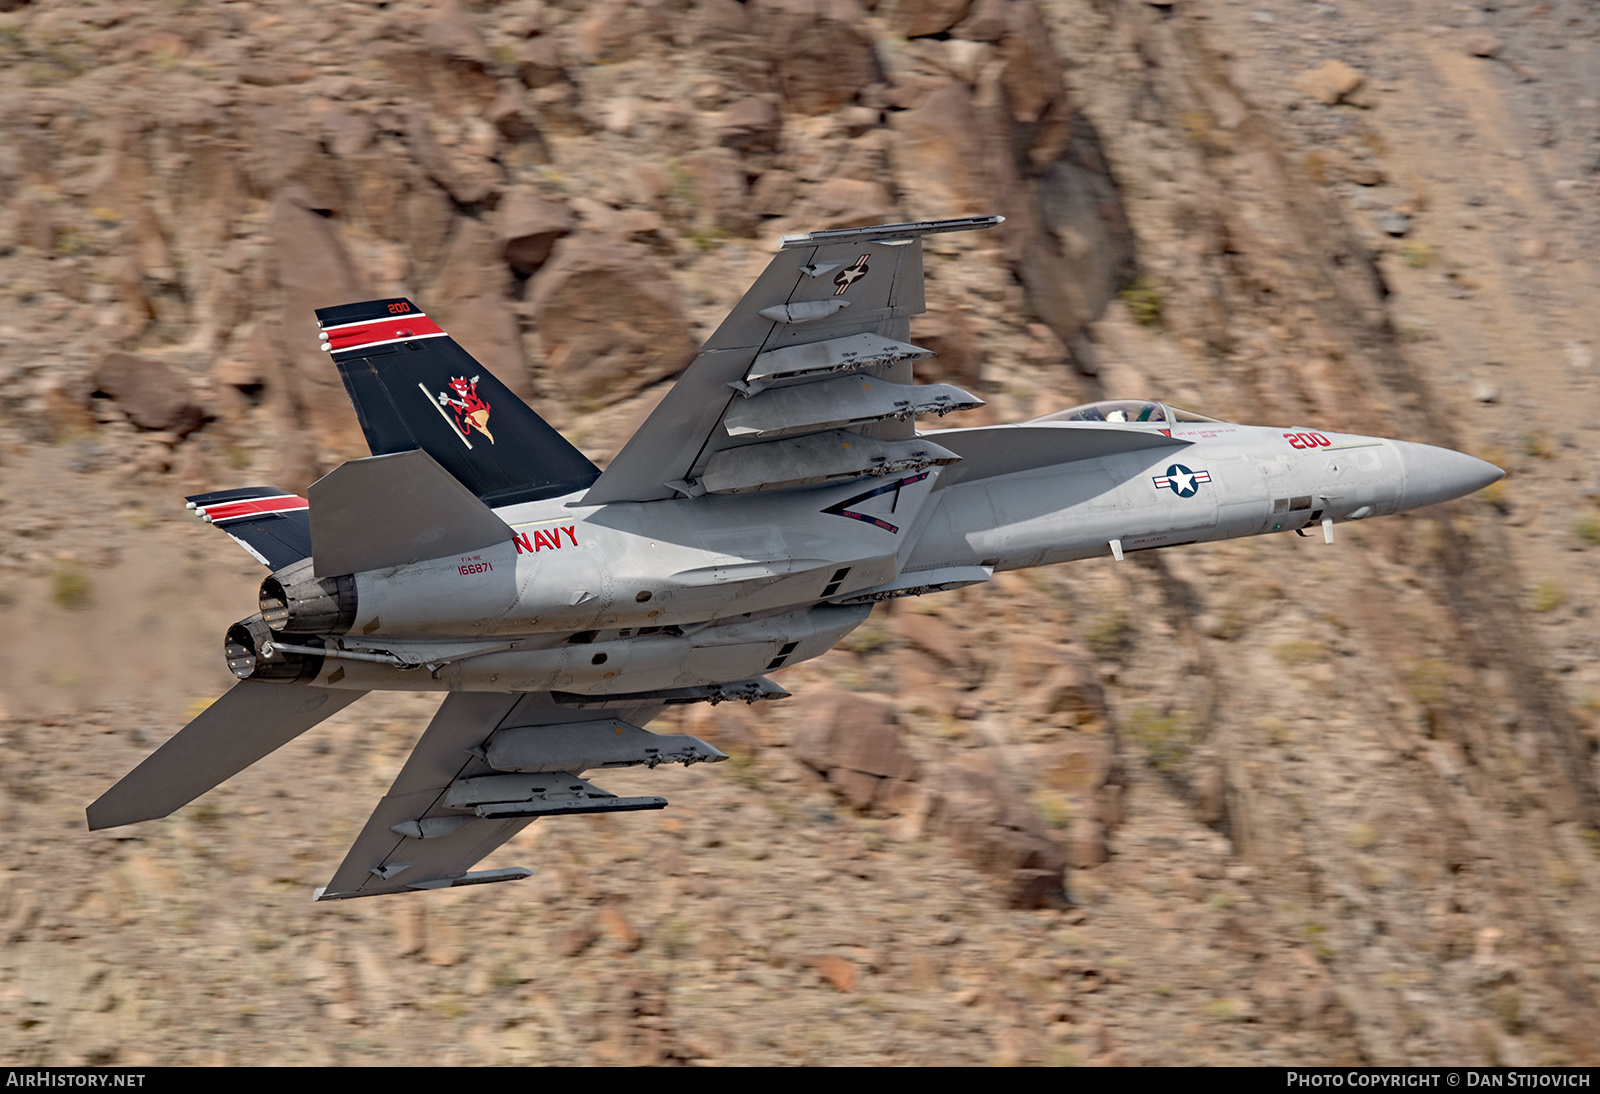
pixel 448 808
pixel 829 303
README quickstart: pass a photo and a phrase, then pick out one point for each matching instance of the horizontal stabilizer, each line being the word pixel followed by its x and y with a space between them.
pixel 273 525
pixel 252 720
pixel 395 510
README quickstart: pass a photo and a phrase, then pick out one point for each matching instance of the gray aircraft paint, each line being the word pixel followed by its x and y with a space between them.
pixel 773 496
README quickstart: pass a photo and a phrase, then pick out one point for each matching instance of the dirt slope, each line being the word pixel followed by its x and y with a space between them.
pixel 1265 801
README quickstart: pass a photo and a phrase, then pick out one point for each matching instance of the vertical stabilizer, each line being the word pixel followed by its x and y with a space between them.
pixel 414 388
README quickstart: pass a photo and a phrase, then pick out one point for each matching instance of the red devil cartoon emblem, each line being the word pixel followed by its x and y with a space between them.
pixel 471 412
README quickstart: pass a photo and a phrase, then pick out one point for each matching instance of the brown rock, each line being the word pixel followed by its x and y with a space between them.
pixel 856 120
pixel 615 30
pixel 426 221
pixel 516 121
pixel 721 194
pixel 411 933
pixel 1081 763
pixel 1210 793
pixel 469 176
pixel 349 133
pixel 528 226
pixel 539 62
pixel 155 395
pixel 751 125
pixel 1362 174
pixel 946 329
pixel 559 106
pixel 934 636
pixel 856 743
pixel 471 297
pixel 836 970
pixel 917 18
pixel 826 57
pixel 1329 83
pixel 986 23
pixel 573 940
pixel 733 51
pixel 315 270
pixel 281 150
pixel 941 157
pixel 453 35
pixel 134 308
pixel 454 63
pixel 1032 74
pixel 1074 241
pixel 773 194
pixel 845 203
pixel 1086 842
pixel 1071 696
pixel 35 227
pixel 987 816
pixel 1482 45
pixel 610 319
pixel 620 929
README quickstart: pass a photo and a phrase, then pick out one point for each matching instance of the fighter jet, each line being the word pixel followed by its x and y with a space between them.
pixel 777 493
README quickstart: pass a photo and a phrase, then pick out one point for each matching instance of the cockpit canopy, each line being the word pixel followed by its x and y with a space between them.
pixel 1125 410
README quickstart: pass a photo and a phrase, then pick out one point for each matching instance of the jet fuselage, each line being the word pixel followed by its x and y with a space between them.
pixel 628 597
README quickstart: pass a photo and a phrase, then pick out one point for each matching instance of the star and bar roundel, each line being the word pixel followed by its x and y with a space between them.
pixel 1181 481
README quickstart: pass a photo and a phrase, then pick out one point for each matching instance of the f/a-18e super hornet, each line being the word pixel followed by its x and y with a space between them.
pixel 777 492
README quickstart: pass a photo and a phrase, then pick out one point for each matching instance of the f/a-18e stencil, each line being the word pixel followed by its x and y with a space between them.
pixel 778 492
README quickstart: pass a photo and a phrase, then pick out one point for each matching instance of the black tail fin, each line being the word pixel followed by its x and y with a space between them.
pixel 414 387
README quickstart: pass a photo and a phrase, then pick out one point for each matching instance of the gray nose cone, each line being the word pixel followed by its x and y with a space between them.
pixel 1434 474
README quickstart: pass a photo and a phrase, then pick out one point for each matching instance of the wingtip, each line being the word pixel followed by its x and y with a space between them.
pixel 99 819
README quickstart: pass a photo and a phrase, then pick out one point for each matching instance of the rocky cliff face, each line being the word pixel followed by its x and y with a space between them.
pixel 1262 801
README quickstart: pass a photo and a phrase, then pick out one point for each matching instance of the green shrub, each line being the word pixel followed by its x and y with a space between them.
pixel 1143 301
